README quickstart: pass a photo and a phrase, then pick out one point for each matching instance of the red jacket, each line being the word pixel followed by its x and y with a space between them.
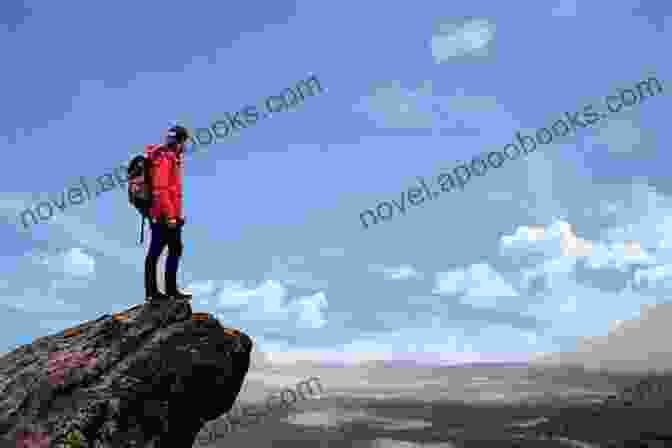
pixel 166 175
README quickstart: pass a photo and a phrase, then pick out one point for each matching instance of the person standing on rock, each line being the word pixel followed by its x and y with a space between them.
pixel 166 219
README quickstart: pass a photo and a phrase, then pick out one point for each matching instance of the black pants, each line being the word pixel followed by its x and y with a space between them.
pixel 163 236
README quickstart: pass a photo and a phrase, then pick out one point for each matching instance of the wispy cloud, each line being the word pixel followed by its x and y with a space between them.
pixel 470 38
pixel 72 228
pixel 73 262
pixel 268 304
pixel 478 285
pixel 403 272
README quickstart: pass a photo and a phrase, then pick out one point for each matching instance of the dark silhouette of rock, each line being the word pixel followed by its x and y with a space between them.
pixel 148 377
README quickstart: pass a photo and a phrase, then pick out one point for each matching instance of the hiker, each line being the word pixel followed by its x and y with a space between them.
pixel 161 173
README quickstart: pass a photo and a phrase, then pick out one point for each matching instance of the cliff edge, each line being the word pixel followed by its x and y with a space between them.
pixel 150 376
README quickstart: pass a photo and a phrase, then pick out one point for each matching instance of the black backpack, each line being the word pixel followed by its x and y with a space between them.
pixel 140 189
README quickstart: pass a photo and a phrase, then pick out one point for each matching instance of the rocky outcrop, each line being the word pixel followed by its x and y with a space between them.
pixel 150 376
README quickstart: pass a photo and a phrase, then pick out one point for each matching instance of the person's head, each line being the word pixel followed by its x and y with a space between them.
pixel 176 137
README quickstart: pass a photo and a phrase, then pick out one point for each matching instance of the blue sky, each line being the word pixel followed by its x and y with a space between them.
pixel 273 241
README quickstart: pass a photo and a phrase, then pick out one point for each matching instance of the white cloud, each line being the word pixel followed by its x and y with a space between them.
pixel 647 218
pixel 469 38
pixel 554 241
pixel 478 285
pixel 550 276
pixel 619 255
pixel 403 272
pixel 657 279
pixel 73 262
pixel 451 283
pixel 396 107
pixel 549 272
pixel 266 303
pixel 393 106
pixel 559 241
pixel 235 294
pixel 309 310
pixel 269 303
pixel 201 288
pixel 639 238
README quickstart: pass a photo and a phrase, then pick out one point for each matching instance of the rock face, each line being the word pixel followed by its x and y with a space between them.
pixel 150 376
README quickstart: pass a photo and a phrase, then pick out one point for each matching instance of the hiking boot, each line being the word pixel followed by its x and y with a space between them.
pixel 180 295
pixel 157 296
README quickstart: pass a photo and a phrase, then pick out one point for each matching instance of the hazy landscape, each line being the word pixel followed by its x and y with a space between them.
pixel 403 406
pixel 399 404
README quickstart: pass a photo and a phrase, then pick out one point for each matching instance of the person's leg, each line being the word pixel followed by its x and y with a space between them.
pixel 175 248
pixel 157 243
